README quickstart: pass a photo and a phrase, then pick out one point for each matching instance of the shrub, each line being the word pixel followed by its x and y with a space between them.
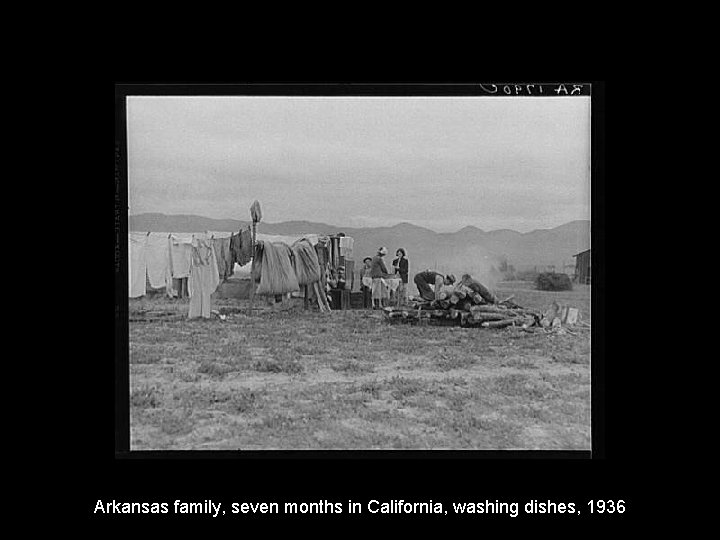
pixel 526 275
pixel 552 281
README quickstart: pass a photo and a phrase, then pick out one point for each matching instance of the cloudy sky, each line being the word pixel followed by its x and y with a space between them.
pixel 520 163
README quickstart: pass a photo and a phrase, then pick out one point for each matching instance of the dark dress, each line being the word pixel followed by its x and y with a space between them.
pixel 402 269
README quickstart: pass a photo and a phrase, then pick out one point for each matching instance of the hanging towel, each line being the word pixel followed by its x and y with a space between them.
pixel 221 264
pixel 157 257
pixel 346 246
pixel 181 255
pixel 137 265
pixel 227 256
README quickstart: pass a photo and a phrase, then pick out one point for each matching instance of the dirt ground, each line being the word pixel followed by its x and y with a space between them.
pixel 299 379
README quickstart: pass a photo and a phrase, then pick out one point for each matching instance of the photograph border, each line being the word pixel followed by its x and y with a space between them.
pixel 121 383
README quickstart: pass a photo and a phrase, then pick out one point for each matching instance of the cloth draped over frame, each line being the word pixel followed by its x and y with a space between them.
pixel 273 269
pixel 307 266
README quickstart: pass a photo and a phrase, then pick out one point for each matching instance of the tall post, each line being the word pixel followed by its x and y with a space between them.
pixel 256 215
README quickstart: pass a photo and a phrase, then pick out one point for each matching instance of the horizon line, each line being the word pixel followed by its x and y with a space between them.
pixel 366 227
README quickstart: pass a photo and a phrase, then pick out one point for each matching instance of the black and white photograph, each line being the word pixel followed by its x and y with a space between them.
pixel 359 272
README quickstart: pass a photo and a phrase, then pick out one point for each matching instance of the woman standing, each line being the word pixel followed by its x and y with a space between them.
pixel 378 271
pixel 401 270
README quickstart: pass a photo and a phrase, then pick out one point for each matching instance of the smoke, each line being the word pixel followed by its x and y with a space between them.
pixel 476 261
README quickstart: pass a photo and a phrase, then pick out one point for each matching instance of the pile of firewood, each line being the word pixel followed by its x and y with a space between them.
pixel 467 308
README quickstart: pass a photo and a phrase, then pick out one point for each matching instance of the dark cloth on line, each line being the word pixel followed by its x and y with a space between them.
pixel 243 247
pixel 227 255
pixel 235 247
pixel 220 245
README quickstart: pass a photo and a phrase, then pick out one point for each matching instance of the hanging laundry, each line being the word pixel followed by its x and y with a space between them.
pixel 180 255
pixel 307 267
pixel 203 279
pixel 346 246
pixel 235 247
pixel 221 264
pixel 158 260
pixel 227 256
pixel 137 265
pixel 245 254
pixel 277 275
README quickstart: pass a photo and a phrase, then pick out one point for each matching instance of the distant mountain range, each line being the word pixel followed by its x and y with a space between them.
pixel 469 250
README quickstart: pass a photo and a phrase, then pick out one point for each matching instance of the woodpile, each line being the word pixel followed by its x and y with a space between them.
pixel 463 306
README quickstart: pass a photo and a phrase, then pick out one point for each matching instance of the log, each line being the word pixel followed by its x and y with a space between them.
pixel 477 298
pixel 453 313
pixel 454 298
pixel 488 309
pixel 460 293
pixel 439 314
pixel 466 305
pixel 499 324
pixel 442 296
pixel 478 316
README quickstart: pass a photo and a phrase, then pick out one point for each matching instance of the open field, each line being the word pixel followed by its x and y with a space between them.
pixel 350 380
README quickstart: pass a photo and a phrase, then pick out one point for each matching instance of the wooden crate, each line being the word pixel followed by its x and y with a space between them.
pixel 357 300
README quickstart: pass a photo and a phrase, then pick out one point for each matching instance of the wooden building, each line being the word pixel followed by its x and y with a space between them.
pixel 582 267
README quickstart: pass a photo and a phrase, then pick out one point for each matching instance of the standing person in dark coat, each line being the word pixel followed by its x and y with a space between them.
pixel 401 266
pixel 378 271
pixel 423 280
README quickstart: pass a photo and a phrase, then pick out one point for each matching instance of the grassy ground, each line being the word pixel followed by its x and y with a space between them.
pixel 350 380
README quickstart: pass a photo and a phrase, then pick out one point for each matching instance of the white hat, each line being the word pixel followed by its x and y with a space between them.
pixel 382 250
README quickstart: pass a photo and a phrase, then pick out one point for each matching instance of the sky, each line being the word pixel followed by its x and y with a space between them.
pixel 519 163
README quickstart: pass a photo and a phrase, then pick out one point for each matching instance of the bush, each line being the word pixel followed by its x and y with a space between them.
pixel 526 275
pixel 552 281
